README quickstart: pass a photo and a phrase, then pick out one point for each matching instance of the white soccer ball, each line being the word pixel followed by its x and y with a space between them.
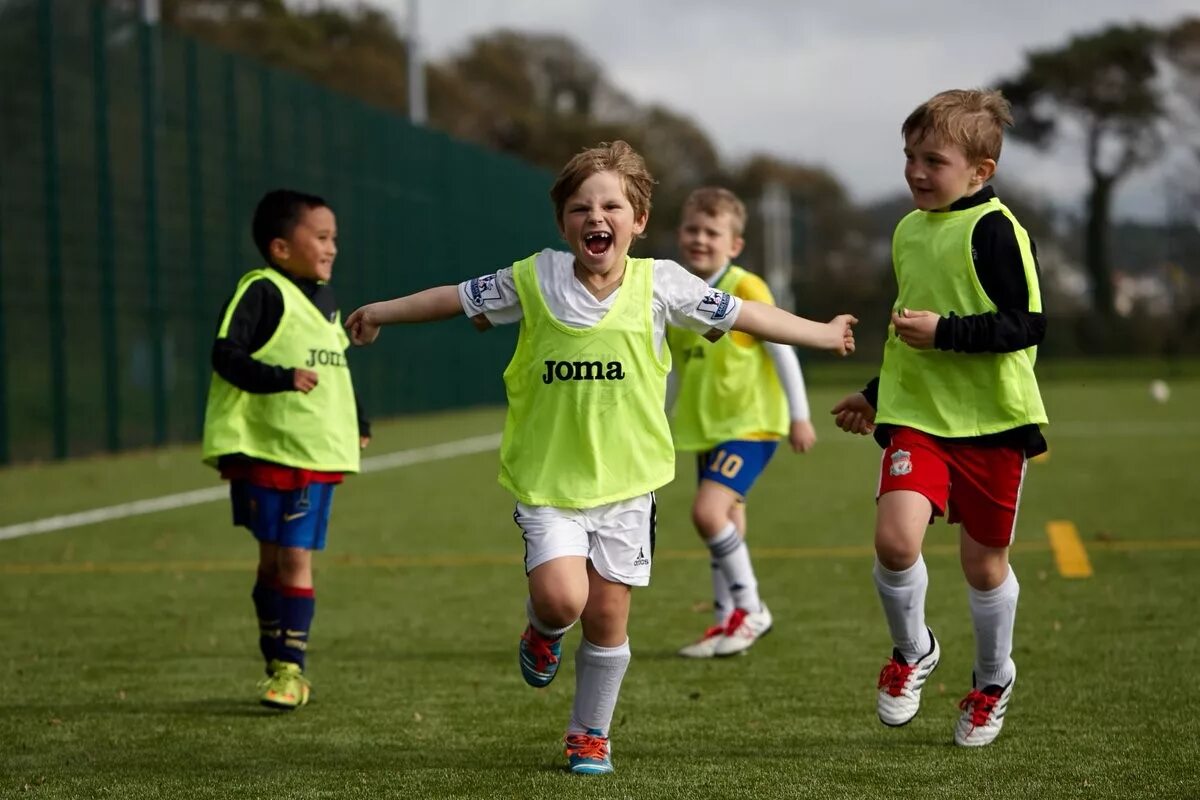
pixel 1160 391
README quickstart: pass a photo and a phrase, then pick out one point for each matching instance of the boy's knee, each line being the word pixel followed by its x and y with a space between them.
pixel 985 572
pixel 709 519
pixel 293 565
pixel 560 607
pixel 896 548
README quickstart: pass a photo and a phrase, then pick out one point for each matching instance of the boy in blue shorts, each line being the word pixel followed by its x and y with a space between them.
pixel 282 423
pixel 586 441
pixel 735 399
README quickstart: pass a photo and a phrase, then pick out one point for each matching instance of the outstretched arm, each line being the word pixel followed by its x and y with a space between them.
pixel 764 321
pixel 440 302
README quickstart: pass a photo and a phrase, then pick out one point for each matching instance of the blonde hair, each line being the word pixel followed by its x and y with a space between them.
pixel 717 200
pixel 972 119
pixel 618 157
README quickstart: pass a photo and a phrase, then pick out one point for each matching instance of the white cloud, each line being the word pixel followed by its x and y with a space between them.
pixel 824 83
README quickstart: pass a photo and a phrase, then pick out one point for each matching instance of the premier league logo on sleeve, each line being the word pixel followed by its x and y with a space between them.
pixel 715 304
pixel 483 289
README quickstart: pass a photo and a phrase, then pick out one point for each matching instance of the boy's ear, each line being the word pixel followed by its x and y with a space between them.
pixel 736 249
pixel 984 171
pixel 639 223
pixel 279 249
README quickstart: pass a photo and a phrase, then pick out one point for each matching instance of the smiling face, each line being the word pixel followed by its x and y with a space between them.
pixel 312 246
pixel 708 242
pixel 938 173
pixel 598 223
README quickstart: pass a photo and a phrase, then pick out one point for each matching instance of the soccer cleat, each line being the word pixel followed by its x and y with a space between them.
pixel 588 753
pixel 706 645
pixel 742 630
pixel 900 683
pixel 539 657
pixel 286 688
pixel 982 714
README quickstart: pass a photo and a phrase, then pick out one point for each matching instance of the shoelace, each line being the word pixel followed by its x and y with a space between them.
pixel 735 621
pixel 893 676
pixel 539 648
pixel 279 681
pixel 980 705
pixel 593 748
pixel 715 630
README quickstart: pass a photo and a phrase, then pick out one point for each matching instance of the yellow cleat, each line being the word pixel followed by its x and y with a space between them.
pixel 286 689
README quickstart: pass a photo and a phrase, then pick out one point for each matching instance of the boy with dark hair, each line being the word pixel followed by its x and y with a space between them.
pixel 282 423
pixel 956 405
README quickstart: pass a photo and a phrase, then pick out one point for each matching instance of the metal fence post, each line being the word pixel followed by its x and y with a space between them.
pixel 196 229
pixel 104 229
pixel 154 312
pixel 233 175
pixel 54 299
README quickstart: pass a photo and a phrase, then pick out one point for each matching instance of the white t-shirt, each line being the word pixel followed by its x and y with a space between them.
pixel 680 298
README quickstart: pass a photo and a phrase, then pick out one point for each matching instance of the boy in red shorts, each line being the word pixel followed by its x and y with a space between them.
pixel 956 405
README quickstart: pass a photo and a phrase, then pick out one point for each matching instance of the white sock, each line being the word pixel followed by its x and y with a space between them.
pixel 598 675
pixel 903 597
pixel 994 613
pixel 722 597
pixel 549 631
pixel 733 557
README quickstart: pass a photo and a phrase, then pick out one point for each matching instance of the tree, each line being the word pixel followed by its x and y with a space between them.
pixel 1107 84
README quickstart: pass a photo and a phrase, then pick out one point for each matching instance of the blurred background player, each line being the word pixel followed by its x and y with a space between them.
pixel 586 440
pixel 733 401
pixel 956 402
pixel 282 422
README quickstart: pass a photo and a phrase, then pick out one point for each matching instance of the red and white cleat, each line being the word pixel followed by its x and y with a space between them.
pixel 900 683
pixel 982 714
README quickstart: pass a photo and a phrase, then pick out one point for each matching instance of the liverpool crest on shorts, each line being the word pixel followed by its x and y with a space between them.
pixel 901 463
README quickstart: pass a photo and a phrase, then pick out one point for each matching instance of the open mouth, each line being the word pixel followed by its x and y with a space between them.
pixel 597 242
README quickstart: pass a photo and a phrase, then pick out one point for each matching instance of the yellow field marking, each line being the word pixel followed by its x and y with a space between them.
pixel 501 559
pixel 1069 554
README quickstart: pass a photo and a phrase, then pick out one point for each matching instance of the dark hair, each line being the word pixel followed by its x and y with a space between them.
pixel 277 214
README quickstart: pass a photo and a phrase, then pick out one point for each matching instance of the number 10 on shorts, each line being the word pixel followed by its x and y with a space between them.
pixel 727 464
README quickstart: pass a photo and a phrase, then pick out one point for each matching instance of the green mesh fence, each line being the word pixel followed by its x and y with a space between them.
pixel 131 158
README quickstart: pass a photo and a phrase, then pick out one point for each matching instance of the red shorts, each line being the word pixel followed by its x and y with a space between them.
pixel 977 486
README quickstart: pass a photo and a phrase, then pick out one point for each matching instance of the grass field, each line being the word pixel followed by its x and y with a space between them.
pixel 129 647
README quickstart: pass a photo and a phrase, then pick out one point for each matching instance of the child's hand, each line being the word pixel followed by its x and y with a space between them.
pixel 363 329
pixel 916 328
pixel 854 414
pixel 802 436
pixel 841 336
pixel 304 380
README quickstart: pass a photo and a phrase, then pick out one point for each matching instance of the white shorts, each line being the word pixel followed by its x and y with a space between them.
pixel 617 537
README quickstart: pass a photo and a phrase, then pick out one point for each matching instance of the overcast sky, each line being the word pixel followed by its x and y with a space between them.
pixel 821 82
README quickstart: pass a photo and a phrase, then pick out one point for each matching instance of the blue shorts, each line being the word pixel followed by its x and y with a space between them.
pixel 296 518
pixel 736 463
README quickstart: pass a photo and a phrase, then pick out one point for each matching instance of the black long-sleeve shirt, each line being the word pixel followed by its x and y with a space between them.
pixel 253 323
pixel 996 256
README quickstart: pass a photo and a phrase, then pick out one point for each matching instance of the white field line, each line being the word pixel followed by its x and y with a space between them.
pixel 480 444
pixel 402 458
